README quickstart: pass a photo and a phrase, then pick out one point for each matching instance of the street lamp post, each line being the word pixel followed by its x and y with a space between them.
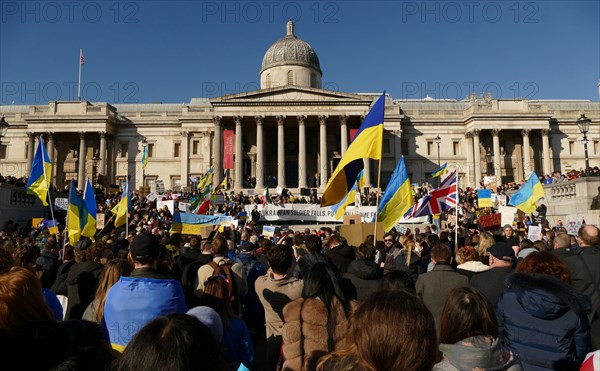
pixel 438 141
pixel 3 129
pixel 489 159
pixel 584 126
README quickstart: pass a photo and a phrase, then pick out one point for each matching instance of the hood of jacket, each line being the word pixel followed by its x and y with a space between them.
pixel 344 250
pixel 474 266
pixel 364 269
pixel 547 297
pixel 478 353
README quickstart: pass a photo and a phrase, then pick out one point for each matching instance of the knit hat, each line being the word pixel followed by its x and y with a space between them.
pixel 502 251
pixel 210 318
pixel 144 247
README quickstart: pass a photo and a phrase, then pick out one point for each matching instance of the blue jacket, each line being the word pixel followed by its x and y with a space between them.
pixel 544 322
pixel 133 302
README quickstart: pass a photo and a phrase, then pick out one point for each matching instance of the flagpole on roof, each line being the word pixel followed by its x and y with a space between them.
pixel 79 81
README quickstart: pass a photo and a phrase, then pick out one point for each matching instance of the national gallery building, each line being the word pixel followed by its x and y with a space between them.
pixel 292 133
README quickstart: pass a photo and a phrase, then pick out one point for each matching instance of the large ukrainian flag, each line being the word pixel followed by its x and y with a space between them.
pixel 340 208
pixel 41 168
pixel 528 194
pixel 120 210
pixel 76 215
pixel 367 143
pixel 91 210
pixel 397 198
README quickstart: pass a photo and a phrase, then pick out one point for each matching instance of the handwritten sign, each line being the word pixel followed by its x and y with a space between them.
pixel 533 232
pixel 61 203
pixel 490 221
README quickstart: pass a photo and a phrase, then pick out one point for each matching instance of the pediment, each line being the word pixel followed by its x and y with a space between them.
pixel 290 95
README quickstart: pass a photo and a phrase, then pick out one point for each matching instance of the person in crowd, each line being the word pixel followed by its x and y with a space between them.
pixel 390 252
pixel 525 248
pixel 109 276
pixel 275 290
pixel 432 287
pixel 82 279
pixel 363 274
pixel 382 336
pixel 469 262
pixel 316 323
pixel 469 335
pixel 314 256
pixel 190 253
pixel 59 286
pixel 509 236
pixel 176 342
pixel 146 294
pixel 210 318
pixel 253 312
pixel 340 254
pixel 491 283
pixel 408 260
pixel 190 273
pixel 48 262
pixel 486 240
pixel 543 319
pixel 27 325
pixel 236 342
pixel 398 280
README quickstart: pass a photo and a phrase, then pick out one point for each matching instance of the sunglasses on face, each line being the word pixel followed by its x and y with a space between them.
pixel 387 240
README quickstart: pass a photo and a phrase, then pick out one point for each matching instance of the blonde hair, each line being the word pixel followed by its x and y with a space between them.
pixel 486 240
pixel 110 275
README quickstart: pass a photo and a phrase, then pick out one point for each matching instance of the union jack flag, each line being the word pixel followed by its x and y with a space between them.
pixel 440 199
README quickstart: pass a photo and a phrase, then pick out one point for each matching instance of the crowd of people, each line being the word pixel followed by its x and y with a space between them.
pixel 300 300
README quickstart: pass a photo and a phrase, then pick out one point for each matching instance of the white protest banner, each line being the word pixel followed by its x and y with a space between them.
pixel 508 214
pixel 170 204
pixel 61 203
pixel 533 232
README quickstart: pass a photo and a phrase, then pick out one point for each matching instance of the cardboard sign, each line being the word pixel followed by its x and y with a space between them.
pixel 100 221
pixel 170 204
pixel 508 214
pixel 574 222
pixel 219 199
pixel 151 196
pixel 159 186
pixel 61 203
pixel 357 233
pixel 352 219
pixel 533 233
pixel 490 221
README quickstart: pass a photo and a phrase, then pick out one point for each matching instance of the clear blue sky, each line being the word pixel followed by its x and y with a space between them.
pixel 172 51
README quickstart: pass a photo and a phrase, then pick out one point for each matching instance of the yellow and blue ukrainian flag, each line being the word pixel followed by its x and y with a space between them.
pixel 484 198
pixel 439 172
pixel 91 211
pixel 340 208
pixel 39 178
pixel 121 209
pixel 528 194
pixel 206 179
pixel 397 198
pixel 76 215
pixel 191 223
pixel 367 143
pixel 145 157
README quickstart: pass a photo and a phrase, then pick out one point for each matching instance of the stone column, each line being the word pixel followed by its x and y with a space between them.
pixel 470 166
pixel 81 159
pixel 184 171
pixel 218 150
pixel 50 151
pixel 260 153
pixel 323 149
pixel 546 152
pixel 344 133
pixel 526 151
pixel 280 151
pixel 103 154
pixel 477 156
pixel 30 150
pixel 238 182
pixel 496 143
pixel 302 152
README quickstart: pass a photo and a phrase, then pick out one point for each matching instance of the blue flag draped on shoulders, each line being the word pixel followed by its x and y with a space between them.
pixel 397 198
pixel 340 208
pixel 528 194
pixel 367 143
pixel 39 177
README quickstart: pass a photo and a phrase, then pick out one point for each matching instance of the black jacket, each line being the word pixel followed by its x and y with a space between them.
pixel 362 278
pixel 82 282
pixel 491 283
pixel 341 257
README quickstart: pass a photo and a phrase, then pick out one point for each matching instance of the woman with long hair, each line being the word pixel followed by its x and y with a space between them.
pixel 390 330
pixel 110 275
pixel 542 318
pixel 316 323
pixel 468 334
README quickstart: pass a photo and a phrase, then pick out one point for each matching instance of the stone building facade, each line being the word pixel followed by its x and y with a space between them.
pixel 292 133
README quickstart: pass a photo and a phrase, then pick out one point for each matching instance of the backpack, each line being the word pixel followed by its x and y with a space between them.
pixel 223 268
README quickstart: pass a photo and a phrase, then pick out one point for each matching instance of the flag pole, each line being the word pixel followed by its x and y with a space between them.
pixel 79 81
pixel 48 184
pixel 456 212
pixel 127 210
pixel 377 202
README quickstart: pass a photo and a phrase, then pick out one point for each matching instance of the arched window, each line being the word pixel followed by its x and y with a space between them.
pixel 268 81
pixel 313 80
pixel 290 80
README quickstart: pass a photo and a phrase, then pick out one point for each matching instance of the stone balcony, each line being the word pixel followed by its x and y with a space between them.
pixel 572 198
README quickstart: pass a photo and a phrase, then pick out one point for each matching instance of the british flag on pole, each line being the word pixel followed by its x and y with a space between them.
pixel 440 199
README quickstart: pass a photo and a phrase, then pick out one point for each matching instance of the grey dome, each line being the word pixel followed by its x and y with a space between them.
pixel 290 50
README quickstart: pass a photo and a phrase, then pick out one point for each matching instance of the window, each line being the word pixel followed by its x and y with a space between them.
pixel 313 80
pixel 176 149
pixel 27 150
pixel 404 147
pixel 150 150
pixel 386 146
pixel 290 78
pixel 455 148
pixel 123 153
pixel 268 81
pixel 195 145
pixel 571 147
pixel 429 148
pixel 175 182
pixel 2 152
pixel 596 147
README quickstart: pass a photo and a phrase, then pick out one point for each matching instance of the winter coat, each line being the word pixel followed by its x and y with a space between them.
pixel 49 264
pixel 363 277
pixel 414 267
pixel 472 268
pixel 82 281
pixel 544 322
pixel 341 257
pixel 305 332
pixel 490 283
pixel 275 294
pixel 477 353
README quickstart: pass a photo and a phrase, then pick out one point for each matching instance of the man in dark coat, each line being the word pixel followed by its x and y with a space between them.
pixel 48 262
pixel 433 286
pixel 340 254
pixel 491 283
pixel 82 280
